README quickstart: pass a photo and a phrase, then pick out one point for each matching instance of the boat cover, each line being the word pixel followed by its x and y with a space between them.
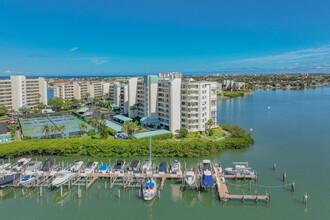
pixel 105 167
pixel 134 164
pixel 162 167
pixel 89 164
pixel 207 180
pixel 149 184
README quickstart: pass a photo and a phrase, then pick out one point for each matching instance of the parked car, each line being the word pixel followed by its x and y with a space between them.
pixel 121 136
pixel 12 121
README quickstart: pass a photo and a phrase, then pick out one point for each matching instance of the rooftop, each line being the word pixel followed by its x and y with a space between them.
pixel 150 133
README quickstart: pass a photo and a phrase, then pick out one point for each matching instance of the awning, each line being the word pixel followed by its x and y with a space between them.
pixel 83 110
pixel 122 118
pixel 149 121
pixel 24 106
pixel 151 133
pixel 114 106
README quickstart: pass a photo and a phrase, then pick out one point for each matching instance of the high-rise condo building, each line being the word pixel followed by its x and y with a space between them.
pixel 19 91
pixel 78 89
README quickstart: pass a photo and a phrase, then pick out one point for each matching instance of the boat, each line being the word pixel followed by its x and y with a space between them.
pixel 162 168
pixel 91 167
pixel 149 190
pixel 147 166
pixel 189 178
pixel 21 164
pixel 62 178
pixel 176 167
pixel 119 166
pixel 104 168
pixel 33 166
pixel 134 166
pixel 239 168
pixel 49 165
pixel 28 179
pixel 9 180
pixel 207 174
pixel 4 166
pixel 77 166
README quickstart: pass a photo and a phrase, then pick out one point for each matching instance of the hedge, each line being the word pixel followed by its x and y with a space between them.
pixel 121 148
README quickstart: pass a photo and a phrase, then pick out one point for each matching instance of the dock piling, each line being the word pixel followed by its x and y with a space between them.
pixel 22 192
pixel 274 166
pixel 40 192
pixel 61 191
pixel 284 176
pixel 305 197
pixel 1 193
pixel 118 193
pixel 293 186
pixel 79 192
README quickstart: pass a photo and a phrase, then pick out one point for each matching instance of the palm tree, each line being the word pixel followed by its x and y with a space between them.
pixel 55 129
pixel 83 128
pixel 62 129
pixel 45 129
pixel 130 128
pixel 210 123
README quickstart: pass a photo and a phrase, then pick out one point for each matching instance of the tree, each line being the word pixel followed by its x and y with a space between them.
pixel 75 101
pixel 182 132
pixel 13 133
pixel 46 129
pixel 62 129
pixel 237 131
pixel 55 129
pixel 3 110
pixel 56 103
pixel 24 110
pixel 83 128
pixel 130 128
pixel 41 106
pixel 67 104
pixel 209 124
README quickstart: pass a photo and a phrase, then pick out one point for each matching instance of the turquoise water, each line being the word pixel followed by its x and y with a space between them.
pixel 294 133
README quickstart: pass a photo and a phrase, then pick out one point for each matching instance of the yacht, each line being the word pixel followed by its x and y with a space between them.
pixel 21 164
pixel 4 166
pixel 62 178
pixel 176 167
pixel 162 168
pixel 134 166
pixel 91 167
pixel 239 168
pixel 9 180
pixel 149 190
pixel 147 166
pixel 189 178
pixel 104 168
pixel 77 166
pixel 207 174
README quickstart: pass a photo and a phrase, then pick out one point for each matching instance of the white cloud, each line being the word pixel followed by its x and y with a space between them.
pixel 74 49
pixel 95 60
pixel 287 59
pixel 11 72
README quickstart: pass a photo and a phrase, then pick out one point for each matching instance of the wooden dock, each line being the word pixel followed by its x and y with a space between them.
pixel 224 193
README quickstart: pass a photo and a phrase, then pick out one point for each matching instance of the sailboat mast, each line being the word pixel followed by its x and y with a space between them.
pixel 151 154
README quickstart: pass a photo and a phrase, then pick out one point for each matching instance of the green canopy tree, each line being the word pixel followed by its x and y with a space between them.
pixel 82 128
pixel 3 110
pixel 46 129
pixel 13 133
pixel 41 106
pixel 129 128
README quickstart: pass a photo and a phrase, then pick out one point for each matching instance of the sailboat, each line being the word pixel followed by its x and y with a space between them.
pixel 149 190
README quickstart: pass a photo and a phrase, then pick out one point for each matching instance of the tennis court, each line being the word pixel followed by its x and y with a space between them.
pixel 32 127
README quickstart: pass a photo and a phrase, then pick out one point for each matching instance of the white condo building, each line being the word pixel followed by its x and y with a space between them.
pixel 19 91
pixel 77 89
pixel 167 101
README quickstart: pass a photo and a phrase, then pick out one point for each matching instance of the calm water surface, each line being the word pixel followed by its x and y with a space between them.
pixel 294 133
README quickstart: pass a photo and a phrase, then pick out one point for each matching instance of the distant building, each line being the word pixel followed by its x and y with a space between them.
pixel 19 91
pixel 232 85
pixel 78 89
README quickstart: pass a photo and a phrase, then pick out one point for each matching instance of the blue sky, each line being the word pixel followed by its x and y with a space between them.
pixel 150 36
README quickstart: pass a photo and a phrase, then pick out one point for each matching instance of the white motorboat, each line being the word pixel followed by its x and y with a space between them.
pixel 149 190
pixel 90 167
pixel 189 178
pixel 77 166
pixel 27 179
pixel 62 177
pixel 21 164
pixel 4 166
pixel 239 168
pixel 176 167
pixel 33 166
pixel 147 166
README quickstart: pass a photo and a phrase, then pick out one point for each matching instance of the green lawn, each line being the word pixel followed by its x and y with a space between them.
pixel 217 135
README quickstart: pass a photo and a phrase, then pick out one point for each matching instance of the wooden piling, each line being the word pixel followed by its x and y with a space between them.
pixel 118 193
pixel 40 192
pixel 305 197
pixel 79 192
pixel 23 192
pixel 61 191
pixel 284 176
pixel 1 193
pixel 274 166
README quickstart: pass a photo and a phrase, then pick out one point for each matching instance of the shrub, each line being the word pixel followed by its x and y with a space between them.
pixel 211 132
pixel 193 134
pixel 182 132
pixel 237 131
pixel 162 136
pixel 91 133
pixel 111 131
pixel 27 138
